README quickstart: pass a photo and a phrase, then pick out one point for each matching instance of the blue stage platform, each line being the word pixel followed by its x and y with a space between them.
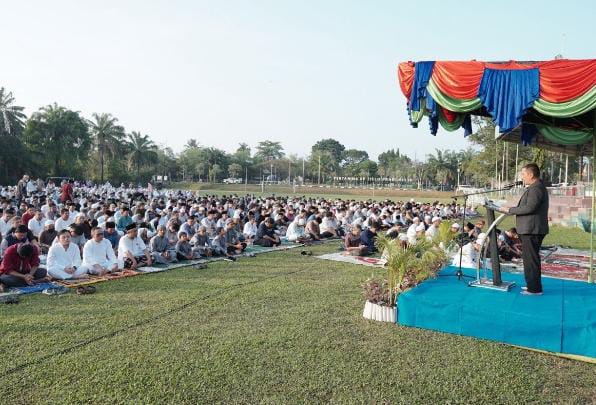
pixel 563 320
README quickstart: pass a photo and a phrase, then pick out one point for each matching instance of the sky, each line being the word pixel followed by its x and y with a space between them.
pixel 231 71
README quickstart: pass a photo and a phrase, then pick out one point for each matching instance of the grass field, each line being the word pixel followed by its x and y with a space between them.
pixel 278 328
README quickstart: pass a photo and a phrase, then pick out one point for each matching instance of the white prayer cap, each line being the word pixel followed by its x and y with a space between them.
pixel 427 217
pixel 455 225
pixel 420 228
pixel 301 222
pixel 48 222
pixel 436 219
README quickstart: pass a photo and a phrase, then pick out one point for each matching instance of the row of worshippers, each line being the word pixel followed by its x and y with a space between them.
pixel 20 265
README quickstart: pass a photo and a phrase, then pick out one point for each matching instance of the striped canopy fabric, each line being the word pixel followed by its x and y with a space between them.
pixel 552 100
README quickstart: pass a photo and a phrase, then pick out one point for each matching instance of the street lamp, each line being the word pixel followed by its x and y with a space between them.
pixel 270 168
pixel 458 170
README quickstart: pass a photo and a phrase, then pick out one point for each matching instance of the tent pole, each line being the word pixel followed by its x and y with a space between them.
pixel 592 225
pixel 560 166
pixel 516 158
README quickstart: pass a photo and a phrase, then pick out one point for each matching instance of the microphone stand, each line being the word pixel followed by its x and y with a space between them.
pixel 459 273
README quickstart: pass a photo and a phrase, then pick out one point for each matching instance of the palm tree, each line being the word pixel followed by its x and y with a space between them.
pixel 107 135
pixel 192 143
pixel 443 165
pixel 142 150
pixel 11 116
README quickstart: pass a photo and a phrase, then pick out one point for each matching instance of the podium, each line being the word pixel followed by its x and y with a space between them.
pixel 490 243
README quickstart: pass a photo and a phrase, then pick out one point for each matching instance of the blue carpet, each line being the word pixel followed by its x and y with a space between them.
pixel 563 320
pixel 34 288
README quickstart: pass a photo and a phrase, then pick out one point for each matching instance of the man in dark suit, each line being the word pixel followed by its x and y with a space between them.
pixel 532 225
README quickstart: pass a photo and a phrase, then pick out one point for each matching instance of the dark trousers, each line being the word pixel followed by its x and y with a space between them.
pixel 531 257
pixel 14 281
pixel 141 261
pixel 266 243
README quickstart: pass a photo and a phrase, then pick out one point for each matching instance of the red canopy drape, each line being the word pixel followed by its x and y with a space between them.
pixel 560 80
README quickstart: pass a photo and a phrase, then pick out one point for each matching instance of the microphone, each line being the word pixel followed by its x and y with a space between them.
pixel 515 183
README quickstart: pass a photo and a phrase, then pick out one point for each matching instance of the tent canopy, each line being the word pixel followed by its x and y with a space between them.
pixel 549 104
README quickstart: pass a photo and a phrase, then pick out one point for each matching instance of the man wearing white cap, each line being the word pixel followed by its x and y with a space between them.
pixel 469 254
pixel 296 231
pixel 411 232
pixel 47 236
pixel 433 230
pixel 420 230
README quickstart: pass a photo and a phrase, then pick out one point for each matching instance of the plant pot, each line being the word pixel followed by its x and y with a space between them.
pixel 378 312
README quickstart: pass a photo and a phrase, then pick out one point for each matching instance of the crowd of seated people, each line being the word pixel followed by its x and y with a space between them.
pixel 83 228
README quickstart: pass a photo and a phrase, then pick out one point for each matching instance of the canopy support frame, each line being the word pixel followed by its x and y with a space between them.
pixel 592 225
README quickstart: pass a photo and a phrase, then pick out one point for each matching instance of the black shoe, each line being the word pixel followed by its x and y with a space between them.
pixel 526 292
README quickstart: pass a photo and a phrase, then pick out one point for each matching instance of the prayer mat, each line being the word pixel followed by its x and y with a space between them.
pixel 369 261
pixel 552 270
pixel 257 249
pixel 97 279
pixel 558 262
pixel 157 268
pixel 32 288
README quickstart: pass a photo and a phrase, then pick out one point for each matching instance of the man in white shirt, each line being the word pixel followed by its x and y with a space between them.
pixel 64 221
pixel 433 229
pixel 5 221
pixel 72 211
pixel 329 226
pixel 411 232
pixel 470 253
pixel 209 223
pixel 64 259
pixel 296 232
pixel 36 223
pixel 132 251
pixel 250 228
pixel 31 187
pixel 98 256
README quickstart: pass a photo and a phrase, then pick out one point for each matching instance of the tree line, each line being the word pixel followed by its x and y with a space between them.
pixel 58 141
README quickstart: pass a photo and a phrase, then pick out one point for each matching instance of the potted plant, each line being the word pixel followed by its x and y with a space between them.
pixel 378 301
pixel 407 266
